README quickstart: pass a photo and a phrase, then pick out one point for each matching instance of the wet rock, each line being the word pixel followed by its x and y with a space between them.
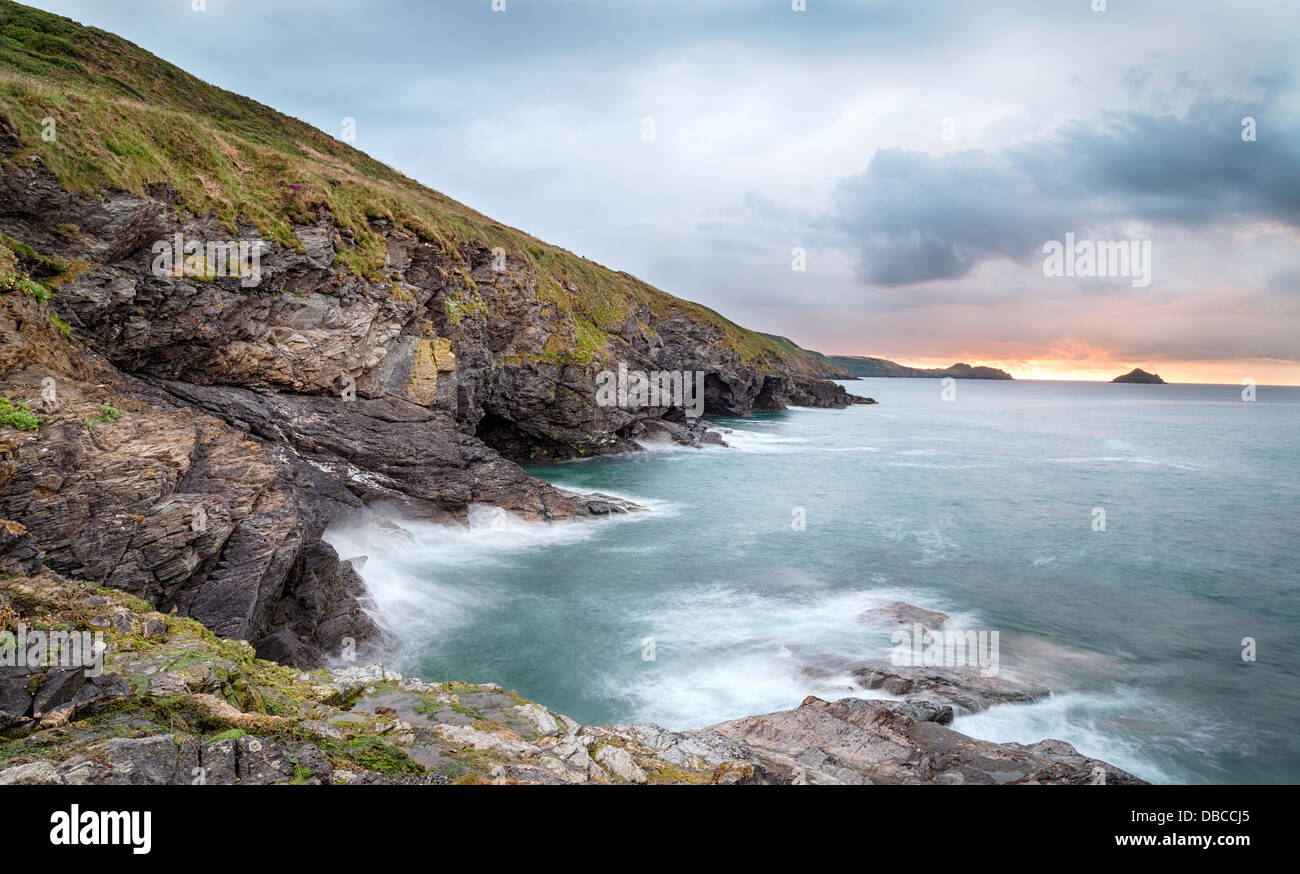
pixel 927 711
pixel 853 740
pixel 901 613
pixel 966 688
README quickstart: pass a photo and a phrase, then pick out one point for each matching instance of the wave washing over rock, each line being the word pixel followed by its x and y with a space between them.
pixel 176 704
pixel 233 407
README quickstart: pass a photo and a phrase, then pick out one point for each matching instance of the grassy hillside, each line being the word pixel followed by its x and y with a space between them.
pixel 124 117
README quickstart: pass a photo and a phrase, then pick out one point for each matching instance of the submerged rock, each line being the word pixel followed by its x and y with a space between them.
pixel 901 613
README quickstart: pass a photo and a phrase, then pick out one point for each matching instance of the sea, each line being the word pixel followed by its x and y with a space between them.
pixel 1135 547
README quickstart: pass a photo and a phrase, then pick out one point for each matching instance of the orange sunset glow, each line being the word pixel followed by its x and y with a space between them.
pixel 1263 371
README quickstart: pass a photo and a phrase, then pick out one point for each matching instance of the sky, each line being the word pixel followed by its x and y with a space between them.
pixel 916 159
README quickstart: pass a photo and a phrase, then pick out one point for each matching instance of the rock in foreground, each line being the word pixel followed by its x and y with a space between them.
pixel 857 741
pixel 176 704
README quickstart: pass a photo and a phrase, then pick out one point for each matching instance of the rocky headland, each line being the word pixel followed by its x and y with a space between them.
pixel 861 367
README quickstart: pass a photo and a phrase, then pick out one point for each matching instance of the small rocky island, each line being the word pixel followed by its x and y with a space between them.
pixel 1137 374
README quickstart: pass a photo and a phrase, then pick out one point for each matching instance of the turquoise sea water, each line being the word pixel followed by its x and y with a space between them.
pixel 982 506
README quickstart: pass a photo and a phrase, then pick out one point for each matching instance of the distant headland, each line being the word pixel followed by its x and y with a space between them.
pixel 861 366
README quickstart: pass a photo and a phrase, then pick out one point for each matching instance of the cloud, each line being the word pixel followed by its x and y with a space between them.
pixel 919 217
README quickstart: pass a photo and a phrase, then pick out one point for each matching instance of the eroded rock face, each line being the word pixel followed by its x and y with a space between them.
pixel 168 503
pixel 199 434
pixel 243 420
pixel 212 501
pixel 459 331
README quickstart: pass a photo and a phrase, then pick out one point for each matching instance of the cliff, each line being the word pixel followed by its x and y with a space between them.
pixel 184 432
pixel 864 367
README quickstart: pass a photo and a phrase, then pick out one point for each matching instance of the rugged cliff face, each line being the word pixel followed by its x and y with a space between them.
pixel 189 435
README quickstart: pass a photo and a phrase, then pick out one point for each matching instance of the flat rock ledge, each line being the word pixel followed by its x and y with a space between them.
pixel 174 703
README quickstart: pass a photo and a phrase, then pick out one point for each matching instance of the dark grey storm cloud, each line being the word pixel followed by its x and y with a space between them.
pixel 918 216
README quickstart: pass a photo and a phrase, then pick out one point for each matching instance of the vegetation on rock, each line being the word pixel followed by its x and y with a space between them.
pixel 18 415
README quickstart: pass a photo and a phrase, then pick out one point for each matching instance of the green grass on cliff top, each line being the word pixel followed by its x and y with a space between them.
pixel 125 118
